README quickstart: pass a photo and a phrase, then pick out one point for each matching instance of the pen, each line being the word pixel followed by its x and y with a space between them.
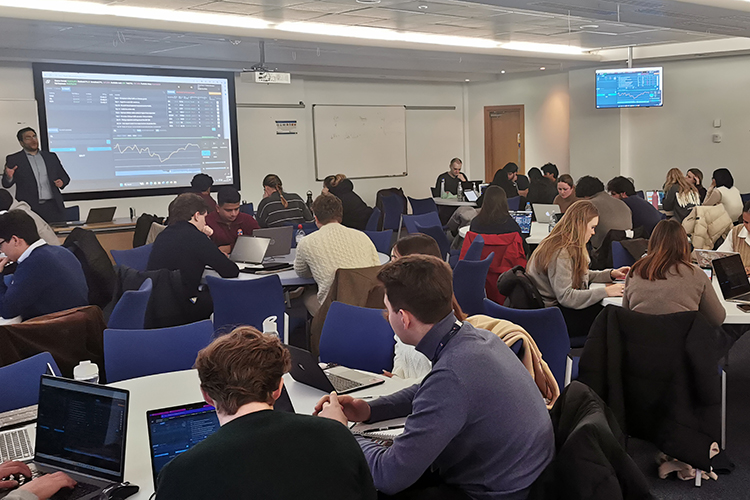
pixel 388 428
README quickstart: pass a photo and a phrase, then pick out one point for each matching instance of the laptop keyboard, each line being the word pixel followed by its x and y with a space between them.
pixel 342 384
pixel 15 445
pixel 80 491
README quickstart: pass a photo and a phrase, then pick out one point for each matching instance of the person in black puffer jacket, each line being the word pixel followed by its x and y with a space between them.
pixel 356 211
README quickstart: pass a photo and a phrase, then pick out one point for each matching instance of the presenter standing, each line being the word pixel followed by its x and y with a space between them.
pixel 38 175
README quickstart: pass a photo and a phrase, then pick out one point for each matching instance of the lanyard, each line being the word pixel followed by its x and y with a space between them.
pixel 447 338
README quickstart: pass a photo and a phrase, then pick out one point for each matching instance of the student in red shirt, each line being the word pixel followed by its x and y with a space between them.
pixel 228 222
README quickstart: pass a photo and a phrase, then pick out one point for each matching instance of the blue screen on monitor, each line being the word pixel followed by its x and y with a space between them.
pixel 629 87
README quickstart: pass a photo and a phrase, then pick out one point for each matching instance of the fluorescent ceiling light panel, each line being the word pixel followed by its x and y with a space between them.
pixel 549 48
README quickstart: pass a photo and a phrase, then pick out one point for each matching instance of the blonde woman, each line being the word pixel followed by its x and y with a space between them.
pixel 559 270
pixel 680 196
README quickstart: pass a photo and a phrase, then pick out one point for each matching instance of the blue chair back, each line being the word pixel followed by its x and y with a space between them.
pixel 620 256
pixel 640 195
pixel 381 240
pixel 309 227
pixel 546 326
pixel 392 209
pixel 475 249
pixel 247 208
pixel 374 221
pixel 438 235
pixel 130 311
pixel 468 284
pixel 73 213
pixel 137 353
pixel 19 382
pixel 424 220
pixel 246 302
pixel 357 337
pixel 745 198
pixel 422 206
pixel 514 202
pixel 137 258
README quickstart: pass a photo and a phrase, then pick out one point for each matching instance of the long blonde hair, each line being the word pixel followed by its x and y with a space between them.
pixel 569 234
pixel 675 176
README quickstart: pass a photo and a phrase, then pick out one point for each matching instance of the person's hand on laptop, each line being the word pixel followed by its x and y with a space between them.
pixel 9 468
pixel 49 484
pixel 343 409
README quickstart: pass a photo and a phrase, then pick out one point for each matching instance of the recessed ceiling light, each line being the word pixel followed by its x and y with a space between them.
pixel 467 80
pixel 502 71
pixel 589 26
pixel 369 2
pixel 423 7
pixel 551 48
pixel 542 68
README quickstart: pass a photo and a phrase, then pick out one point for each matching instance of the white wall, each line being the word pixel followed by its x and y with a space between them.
pixel 546 117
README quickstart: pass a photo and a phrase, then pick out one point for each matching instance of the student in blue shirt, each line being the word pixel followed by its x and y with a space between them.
pixel 645 215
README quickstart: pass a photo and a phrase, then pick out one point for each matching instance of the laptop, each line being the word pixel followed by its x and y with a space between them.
pixel 523 219
pixel 81 430
pixel 732 278
pixel 249 250
pixel 655 198
pixel 704 257
pixel 471 196
pixel 172 431
pixel 100 215
pixel 281 239
pixel 543 212
pixel 306 370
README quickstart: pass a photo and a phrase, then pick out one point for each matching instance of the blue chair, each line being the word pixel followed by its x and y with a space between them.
pixel 137 258
pixel 547 328
pixel 357 337
pixel 374 221
pixel 130 311
pixel 422 206
pixel 437 233
pixel 620 256
pixel 392 211
pixel 475 249
pixel 468 284
pixel 73 213
pixel 514 202
pixel 137 353
pixel 309 227
pixel 640 195
pixel 19 382
pixel 381 240
pixel 247 302
pixel 745 198
pixel 429 219
pixel 247 208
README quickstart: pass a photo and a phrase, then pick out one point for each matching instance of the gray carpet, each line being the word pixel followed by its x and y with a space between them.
pixel 734 486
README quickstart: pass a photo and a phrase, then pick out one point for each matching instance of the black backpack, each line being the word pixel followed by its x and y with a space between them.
pixel 519 291
pixel 142 227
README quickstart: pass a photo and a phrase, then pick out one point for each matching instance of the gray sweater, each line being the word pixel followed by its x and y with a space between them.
pixel 556 285
pixel 684 289
pixel 613 214
pixel 477 420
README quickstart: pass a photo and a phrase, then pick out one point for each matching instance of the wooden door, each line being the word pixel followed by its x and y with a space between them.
pixel 503 139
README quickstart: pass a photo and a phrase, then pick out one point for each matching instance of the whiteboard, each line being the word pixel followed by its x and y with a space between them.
pixel 359 141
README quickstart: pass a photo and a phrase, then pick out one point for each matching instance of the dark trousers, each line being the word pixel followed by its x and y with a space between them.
pixel 579 321
pixel 427 487
pixel 50 211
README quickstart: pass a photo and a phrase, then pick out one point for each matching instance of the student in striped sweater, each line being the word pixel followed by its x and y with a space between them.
pixel 279 208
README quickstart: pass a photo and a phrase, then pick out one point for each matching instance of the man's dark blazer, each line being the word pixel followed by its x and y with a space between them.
pixel 25 180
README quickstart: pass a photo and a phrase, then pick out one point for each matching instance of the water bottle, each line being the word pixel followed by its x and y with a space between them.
pixel 442 188
pixel 309 201
pixel 460 191
pixel 528 207
pixel 86 371
pixel 300 234
pixel 552 218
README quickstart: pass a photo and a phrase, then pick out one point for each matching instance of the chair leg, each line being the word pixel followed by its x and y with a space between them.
pixel 723 410
pixel 568 370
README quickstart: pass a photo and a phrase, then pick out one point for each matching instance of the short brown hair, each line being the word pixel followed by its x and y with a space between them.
pixel 244 366
pixel 328 208
pixel 417 243
pixel 420 284
pixel 185 206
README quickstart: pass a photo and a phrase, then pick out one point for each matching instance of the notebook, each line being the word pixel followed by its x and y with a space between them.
pixel 523 219
pixel 732 278
pixel 305 369
pixel 543 212
pixel 172 431
pixel 281 239
pixel 81 430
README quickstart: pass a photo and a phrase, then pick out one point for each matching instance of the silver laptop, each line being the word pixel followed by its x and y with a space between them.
pixel 543 212
pixel 249 250
pixel 81 430
pixel 281 239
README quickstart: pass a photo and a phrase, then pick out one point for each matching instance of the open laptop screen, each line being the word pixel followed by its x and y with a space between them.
pixel 523 219
pixel 81 427
pixel 731 276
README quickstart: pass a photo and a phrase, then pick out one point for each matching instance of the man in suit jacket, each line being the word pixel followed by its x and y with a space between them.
pixel 38 175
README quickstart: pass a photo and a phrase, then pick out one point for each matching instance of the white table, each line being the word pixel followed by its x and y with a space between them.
pixel 734 315
pixel 171 389
pixel 539 231
pixel 288 277
pixel 453 202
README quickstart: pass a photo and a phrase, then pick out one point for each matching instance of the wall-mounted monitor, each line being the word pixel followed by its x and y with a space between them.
pixel 629 88
pixel 123 132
